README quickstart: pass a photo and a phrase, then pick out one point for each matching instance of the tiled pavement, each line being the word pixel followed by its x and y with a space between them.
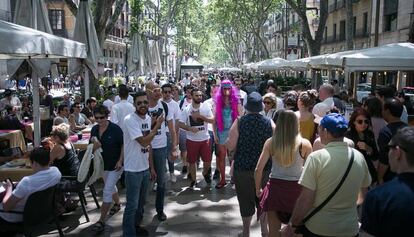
pixel 204 211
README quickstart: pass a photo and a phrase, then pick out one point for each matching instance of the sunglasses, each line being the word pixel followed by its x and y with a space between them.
pixel 361 121
pixel 145 102
pixel 267 102
pixel 100 117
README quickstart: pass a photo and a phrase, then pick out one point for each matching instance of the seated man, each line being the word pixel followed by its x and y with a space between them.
pixel 43 178
pixel 62 115
pixel 78 120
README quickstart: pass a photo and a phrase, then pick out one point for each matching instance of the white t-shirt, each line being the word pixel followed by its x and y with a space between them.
pixel 28 185
pixel 185 81
pixel 186 118
pixel 120 111
pixel 130 99
pixel 210 103
pixel 108 104
pixel 160 139
pixel 174 109
pixel 243 97
pixel 135 155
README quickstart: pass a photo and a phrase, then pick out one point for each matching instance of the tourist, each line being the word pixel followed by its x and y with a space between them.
pixel 121 109
pixel 362 136
pixel 242 94
pixel 373 106
pixel 158 108
pixel 388 209
pixel 138 164
pixel 118 99
pixel 109 101
pixel 42 178
pixel 270 105
pixel 78 120
pixel 88 109
pixel 226 111
pixel 183 103
pixel 328 102
pixel 109 137
pixel 175 111
pixel 392 111
pixel 307 125
pixel 321 175
pixel 62 115
pixel 246 137
pixel 287 150
pixel 194 120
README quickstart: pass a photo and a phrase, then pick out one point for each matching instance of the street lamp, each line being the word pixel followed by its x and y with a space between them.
pixel 126 41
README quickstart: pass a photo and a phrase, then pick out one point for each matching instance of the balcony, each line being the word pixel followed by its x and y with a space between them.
pixel 115 39
pixel 359 34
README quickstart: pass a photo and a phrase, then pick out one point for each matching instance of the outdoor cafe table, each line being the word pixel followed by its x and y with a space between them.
pixel 14 173
pixel 80 144
pixel 15 138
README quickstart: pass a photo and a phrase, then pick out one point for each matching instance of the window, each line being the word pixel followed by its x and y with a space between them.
pixel 365 24
pixel 334 31
pixel 342 25
pixel 390 15
pixel 354 26
pixel 326 34
pixel 120 54
pixel 104 52
pixel 56 18
pixel 110 53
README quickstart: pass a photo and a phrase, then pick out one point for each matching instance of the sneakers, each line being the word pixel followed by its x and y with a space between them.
pixel 184 170
pixel 154 188
pixel 173 178
pixel 207 177
pixel 192 184
pixel 141 231
pixel 216 174
pixel 161 216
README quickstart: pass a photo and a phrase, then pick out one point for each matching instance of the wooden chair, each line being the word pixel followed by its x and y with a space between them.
pixel 40 210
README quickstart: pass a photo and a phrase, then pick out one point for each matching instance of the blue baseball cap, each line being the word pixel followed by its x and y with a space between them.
pixel 334 123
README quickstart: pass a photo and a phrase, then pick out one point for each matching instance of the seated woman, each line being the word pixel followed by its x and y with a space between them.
pixel 43 178
pixel 63 154
pixel 77 120
pixel 64 157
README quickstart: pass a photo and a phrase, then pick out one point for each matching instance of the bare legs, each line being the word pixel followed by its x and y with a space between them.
pixel 221 162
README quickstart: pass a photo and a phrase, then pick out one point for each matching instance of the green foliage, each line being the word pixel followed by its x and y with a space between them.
pixel 137 7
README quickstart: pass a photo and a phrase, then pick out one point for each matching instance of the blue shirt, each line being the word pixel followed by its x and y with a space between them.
pixel 389 209
pixel 112 141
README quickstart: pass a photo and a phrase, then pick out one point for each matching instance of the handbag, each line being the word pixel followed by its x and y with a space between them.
pixel 301 228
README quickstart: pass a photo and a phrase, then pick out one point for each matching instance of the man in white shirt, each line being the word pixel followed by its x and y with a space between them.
pixel 186 80
pixel 174 110
pixel 109 102
pixel 194 120
pixel 181 133
pixel 159 144
pixel 242 94
pixel 11 100
pixel 138 163
pixel 43 178
pixel 117 99
pixel 120 110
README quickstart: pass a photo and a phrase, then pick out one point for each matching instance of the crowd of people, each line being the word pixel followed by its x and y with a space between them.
pixel 294 158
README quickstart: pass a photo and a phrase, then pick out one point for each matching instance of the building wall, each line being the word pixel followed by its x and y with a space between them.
pixel 337 14
pixel 5 10
pixel 366 39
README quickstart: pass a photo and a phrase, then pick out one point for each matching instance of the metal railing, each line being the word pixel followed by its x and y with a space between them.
pixel 5 15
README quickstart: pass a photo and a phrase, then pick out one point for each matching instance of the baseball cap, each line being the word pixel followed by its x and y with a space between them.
pixel 334 123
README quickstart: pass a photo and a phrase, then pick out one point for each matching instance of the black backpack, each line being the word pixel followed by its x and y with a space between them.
pixel 165 106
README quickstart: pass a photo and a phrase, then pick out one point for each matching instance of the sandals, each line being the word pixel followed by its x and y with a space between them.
pixel 220 185
pixel 115 208
pixel 99 226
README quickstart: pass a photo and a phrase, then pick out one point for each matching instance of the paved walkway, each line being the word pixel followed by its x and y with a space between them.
pixel 203 211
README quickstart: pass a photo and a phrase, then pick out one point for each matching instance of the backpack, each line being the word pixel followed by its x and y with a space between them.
pixel 165 106
pixel 182 103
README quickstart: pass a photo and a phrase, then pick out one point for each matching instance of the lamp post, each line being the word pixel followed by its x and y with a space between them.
pixel 126 41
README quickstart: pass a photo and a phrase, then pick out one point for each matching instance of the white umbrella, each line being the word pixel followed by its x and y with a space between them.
pixel 272 64
pixel 32 45
pixel 85 32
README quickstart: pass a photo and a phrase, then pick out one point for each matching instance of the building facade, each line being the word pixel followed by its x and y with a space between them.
pixel 395 17
pixel 283 31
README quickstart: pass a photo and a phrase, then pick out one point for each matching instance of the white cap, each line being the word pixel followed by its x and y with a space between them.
pixel 321 109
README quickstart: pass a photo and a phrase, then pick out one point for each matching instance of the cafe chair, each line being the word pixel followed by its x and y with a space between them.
pixel 80 190
pixel 92 186
pixel 40 210
pixel 4 144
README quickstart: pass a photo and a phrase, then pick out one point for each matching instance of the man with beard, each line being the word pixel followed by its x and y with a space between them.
pixel 156 109
pixel 138 164
pixel 193 120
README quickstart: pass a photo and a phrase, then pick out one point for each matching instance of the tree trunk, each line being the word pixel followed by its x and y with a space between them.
pixel 349 34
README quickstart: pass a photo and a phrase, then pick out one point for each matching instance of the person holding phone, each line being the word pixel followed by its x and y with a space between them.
pixel 109 137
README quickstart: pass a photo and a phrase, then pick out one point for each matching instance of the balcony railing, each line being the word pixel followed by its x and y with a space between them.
pixel 359 33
